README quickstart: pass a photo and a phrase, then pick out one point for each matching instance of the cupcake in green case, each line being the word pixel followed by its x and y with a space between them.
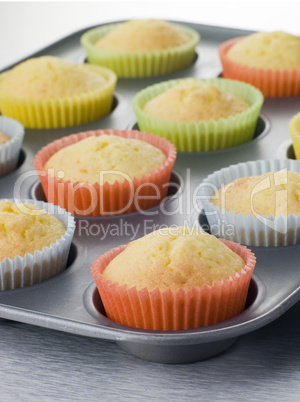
pixel 141 48
pixel 199 115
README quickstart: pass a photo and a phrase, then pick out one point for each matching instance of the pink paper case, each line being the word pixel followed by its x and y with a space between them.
pixel 93 199
pixel 272 83
pixel 174 310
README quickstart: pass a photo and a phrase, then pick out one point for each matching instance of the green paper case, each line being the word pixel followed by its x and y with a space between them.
pixel 203 136
pixel 140 64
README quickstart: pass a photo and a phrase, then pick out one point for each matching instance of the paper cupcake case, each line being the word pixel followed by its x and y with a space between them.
pixel 203 136
pixel 10 151
pixel 93 199
pixel 140 64
pixel 294 129
pixel 272 83
pixel 62 112
pixel 42 265
pixel 174 310
pixel 250 230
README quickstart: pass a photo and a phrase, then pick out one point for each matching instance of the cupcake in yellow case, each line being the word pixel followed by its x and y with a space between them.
pixel 35 240
pixel 199 115
pixel 174 279
pixel 141 48
pixel 48 92
pixel 11 138
pixel 268 60
pixel 294 129
pixel 257 202
pixel 106 172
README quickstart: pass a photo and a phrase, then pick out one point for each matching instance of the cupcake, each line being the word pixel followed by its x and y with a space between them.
pixel 106 172
pixel 174 279
pixel 199 115
pixel 48 92
pixel 35 240
pixel 141 48
pixel 294 129
pixel 11 138
pixel 269 61
pixel 254 203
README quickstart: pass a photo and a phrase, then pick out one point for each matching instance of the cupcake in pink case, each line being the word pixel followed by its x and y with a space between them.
pixel 268 61
pixel 35 242
pixel 256 202
pixel 174 279
pixel 106 172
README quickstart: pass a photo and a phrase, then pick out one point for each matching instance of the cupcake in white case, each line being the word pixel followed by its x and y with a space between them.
pixel 36 266
pixel 254 229
pixel 10 150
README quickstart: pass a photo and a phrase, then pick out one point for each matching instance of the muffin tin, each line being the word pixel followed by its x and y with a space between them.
pixel 70 301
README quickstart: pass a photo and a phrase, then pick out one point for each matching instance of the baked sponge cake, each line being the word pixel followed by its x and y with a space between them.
pixel 174 258
pixel 199 115
pixel 274 193
pixel 35 239
pixel 141 48
pixel 195 101
pixel 174 278
pixel 26 228
pixel 269 50
pixel 47 92
pixel 106 172
pixel 84 160
pixel 143 36
pixel 268 60
pixel 49 77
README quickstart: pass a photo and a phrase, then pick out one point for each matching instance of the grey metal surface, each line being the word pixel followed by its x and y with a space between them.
pixel 70 303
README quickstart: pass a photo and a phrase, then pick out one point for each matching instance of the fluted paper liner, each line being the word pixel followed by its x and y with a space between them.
pixel 252 230
pixel 140 64
pixel 174 310
pixel 202 136
pixel 294 129
pixel 62 112
pixel 42 265
pixel 93 199
pixel 272 83
pixel 10 151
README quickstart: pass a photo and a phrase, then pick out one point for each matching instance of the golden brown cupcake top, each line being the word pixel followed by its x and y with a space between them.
pixel 84 160
pixel 268 50
pixel 269 194
pixel 143 35
pixel 25 228
pixel 49 77
pixel 4 138
pixel 173 257
pixel 194 101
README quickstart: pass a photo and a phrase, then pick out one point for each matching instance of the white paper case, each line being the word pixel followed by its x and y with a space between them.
pixel 10 151
pixel 250 230
pixel 42 265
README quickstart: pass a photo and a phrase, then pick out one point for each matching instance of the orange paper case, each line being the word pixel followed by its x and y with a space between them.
pixel 272 83
pixel 93 199
pixel 174 310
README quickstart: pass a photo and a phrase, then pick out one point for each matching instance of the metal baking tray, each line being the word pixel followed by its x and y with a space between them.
pixel 70 301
